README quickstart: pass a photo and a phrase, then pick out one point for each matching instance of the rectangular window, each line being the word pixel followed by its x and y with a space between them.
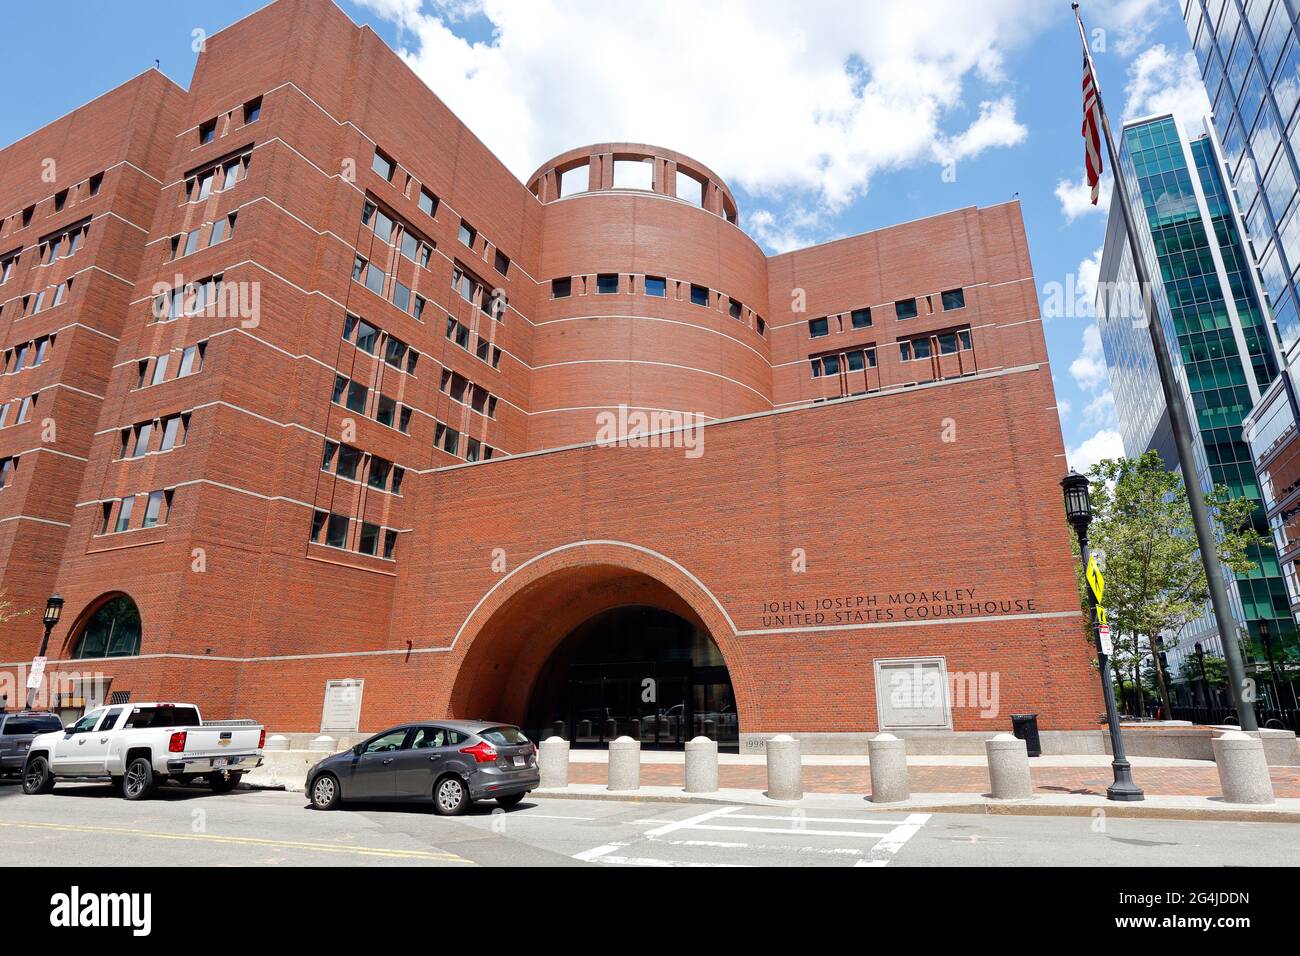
pixel 699 295
pixel 401 296
pixel 369 540
pixel 192 359
pixel 818 328
pixel 689 188
pixel 173 432
pixel 191 242
pixel 7 466
pixel 410 247
pixel 252 111
pixel 905 309
pixel 394 351
pixel 428 202
pixel 143 433
pixel 380 469
pixel 954 299
pixel 575 180
pixel 207 132
pixel 124 513
pixel 448 439
pixel 607 283
pixel 348 459
pixel 160 368
pixel 390 543
pixel 336 531
pixel 561 288
pixel 656 286
pixel 502 263
pixel 467 233
pixel 734 308
pixel 860 318
pixel 153 509
pixel 382 165
pixel 386 411
pixel 222 229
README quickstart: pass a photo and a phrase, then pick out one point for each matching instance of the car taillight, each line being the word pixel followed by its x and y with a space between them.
pixel 177 744
pixel 483 752
pixel 261 740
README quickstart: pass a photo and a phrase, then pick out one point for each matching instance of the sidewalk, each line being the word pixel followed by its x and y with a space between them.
pixel 1050 776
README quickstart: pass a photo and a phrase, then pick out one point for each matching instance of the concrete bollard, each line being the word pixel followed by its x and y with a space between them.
pixel 1243 771
pixel 324 743
pixel 784 768
pixel 553 761
pixel 701 765
pixel 624 764
pixel 888 757
pixel 1008 758
pixel 276 742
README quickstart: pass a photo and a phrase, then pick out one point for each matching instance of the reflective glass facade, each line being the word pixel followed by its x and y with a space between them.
pixel 1211 306
pixel 1249 55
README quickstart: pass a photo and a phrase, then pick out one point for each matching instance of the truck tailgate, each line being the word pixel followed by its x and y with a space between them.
pixel 219 741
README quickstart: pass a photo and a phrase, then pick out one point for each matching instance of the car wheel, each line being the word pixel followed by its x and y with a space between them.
pixel 325 792
pixel 139 782
pixel 37 777
pixel 224 781
pixel 511 801
pixel 450 797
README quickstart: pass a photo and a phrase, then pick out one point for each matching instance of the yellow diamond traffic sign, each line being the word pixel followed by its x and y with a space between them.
pixel 1095 580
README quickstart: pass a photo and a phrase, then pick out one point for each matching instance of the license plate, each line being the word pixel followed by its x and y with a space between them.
pixel 219 762
pixel 521 761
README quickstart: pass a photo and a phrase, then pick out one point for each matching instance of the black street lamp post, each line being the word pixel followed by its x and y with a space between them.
pixel 1205 680
pixel 53 610
pixel 1078 511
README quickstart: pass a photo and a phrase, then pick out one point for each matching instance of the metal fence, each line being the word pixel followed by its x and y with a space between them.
pixel 1267 716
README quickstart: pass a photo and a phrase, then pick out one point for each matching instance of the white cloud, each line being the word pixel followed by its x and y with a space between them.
pixel 1124 25
pixel 1088 275
pixel 1100 411
pixel 1161 81
pixel 996 126
pixel 799 103
pixel 1106 443
pixel 1076 198
pixel 1089 367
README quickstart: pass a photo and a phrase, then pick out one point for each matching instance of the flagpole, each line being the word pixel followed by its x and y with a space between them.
pixel 1206 539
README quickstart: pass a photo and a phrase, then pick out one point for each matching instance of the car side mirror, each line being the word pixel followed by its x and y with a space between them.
pixel 356 751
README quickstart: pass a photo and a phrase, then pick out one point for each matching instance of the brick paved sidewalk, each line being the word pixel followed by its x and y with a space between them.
pixel 1164 781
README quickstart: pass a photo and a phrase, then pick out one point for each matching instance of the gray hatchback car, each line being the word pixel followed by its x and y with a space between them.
pixel 451 762
pixel 16 732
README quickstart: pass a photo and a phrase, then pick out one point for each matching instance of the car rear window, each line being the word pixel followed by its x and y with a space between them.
pixel 148 717
pixel 16 726
pixel 508 736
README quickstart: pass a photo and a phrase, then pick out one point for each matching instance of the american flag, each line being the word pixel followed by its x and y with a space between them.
pixel 1091 130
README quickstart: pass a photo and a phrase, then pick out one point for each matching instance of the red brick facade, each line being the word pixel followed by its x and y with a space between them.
pixel 866 484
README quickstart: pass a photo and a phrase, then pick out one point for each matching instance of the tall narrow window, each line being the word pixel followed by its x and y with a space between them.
pixel 124 509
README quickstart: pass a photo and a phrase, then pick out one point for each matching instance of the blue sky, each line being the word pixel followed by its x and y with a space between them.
pixel 872 111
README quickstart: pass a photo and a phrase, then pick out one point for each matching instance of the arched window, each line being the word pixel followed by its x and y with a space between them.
pixel 112 631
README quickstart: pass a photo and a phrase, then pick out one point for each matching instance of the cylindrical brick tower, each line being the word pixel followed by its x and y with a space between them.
pixel 652 297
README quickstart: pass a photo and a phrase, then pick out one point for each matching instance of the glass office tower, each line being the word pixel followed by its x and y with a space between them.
pixel 1211 304
pixel 1249 55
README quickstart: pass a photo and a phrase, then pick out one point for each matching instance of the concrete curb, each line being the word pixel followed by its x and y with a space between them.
pixel 1074 805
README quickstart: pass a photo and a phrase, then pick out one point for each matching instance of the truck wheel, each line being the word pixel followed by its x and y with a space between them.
pixel 139 782
pixel 224 781
pixel 450 797
pixel 37 777
pixel 325 792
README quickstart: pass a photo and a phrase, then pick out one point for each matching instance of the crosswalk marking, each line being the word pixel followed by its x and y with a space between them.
pixel 879 848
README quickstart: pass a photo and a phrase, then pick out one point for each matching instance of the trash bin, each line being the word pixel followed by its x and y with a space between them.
pixel 1025 727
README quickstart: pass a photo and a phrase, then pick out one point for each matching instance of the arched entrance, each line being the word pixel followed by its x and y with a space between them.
pixel 582 628
pixel 638 671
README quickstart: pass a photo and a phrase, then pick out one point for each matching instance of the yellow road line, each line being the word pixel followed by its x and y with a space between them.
pixel 439 855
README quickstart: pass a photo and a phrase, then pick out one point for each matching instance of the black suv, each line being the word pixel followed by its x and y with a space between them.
pixel 16 732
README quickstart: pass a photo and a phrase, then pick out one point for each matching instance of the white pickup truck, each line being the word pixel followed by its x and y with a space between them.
pixel 138 746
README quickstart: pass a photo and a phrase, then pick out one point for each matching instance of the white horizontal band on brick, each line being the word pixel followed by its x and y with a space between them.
pixel 685 368
pixel 61 524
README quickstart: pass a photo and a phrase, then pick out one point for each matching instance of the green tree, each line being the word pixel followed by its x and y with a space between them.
pixel 1142 529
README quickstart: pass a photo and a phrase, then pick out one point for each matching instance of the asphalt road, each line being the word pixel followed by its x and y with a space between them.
pixel 89 825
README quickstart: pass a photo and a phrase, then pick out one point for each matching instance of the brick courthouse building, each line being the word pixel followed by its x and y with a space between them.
pixel 309 405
